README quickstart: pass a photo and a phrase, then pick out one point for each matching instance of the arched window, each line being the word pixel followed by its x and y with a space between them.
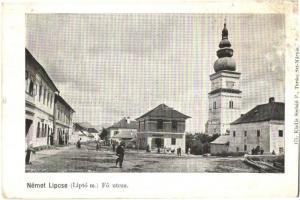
pixel 215 105
pixel 230 104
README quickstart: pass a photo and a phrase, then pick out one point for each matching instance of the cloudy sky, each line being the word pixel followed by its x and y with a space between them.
pixel 108 66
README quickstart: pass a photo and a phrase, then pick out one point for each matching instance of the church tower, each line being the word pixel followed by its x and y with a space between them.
pixel 225 98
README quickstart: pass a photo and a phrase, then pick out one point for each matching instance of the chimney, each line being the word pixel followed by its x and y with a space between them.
pixel 271 100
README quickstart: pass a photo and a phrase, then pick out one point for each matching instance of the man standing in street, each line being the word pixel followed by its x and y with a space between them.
pixel 120 153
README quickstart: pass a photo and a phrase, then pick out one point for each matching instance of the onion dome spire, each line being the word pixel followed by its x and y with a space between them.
pixel 225 53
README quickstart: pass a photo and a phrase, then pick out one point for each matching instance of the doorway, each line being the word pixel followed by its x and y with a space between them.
pixel 157 143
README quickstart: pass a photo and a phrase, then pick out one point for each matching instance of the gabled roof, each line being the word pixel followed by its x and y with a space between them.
pixel 123 123
pixel 87 126
pixel 61 99
pixel 264 112
pixel 164 111
pixel 29 58
pixel 222 139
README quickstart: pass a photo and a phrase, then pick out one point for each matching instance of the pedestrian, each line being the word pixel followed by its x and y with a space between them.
pixel 179 151
pixel 148 148
pixel 189 150
pixel 97 146
pixel 28 153
pixel 120 153
pixel 79 143
pixel 114 146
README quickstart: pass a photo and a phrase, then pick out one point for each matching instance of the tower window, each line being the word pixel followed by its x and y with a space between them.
pixel 230 104
pixel 245 147
pixel 233 133
pixel 280 133
pixel 215 105
pixel 245 133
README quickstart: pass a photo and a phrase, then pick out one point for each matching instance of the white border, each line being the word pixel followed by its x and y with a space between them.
pixel 141 185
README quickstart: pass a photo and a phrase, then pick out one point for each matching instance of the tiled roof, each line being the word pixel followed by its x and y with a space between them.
pixel 264 112
pixel 123 123
pixel 222 139
pixel 164 111
pixel 87 126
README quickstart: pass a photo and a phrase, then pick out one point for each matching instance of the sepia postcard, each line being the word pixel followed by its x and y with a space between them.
pixel 154 100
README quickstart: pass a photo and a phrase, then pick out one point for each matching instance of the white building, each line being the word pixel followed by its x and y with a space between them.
pixel 39 103
pixel 225 96
pixel 261 127
pixel 63 113
pixel 125 129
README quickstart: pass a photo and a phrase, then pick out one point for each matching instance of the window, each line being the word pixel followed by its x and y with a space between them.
pixel 215 105
pixel 40 92
pixel 280 133
pixel 139 125
pixel 44 99
pixel 38 130
pixel 48 98
pixel 258 133
pixel 42 134
pixel 237 149
pixel 51 101
pixel 230 104
pixel 160 124
pixel 30 88
pixel 173 141
pixel 245 147
pixel 174 124
pixel 233 133
pixel 245 133
pixel 144 124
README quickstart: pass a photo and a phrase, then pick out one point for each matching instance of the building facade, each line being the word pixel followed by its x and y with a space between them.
pixel 225 97
pixel 220 145
pixel 63 113
pixel 84 131
pixel 162 127
pixel 261 128
pixel 125 129
pixel 39 103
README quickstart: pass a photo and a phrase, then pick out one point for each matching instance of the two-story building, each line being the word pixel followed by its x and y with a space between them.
pixel 162 127
pixel 39 102
pixel 262 128
pixel 63 113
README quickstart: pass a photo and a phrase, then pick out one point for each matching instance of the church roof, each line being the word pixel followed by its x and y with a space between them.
pixel 264 112
pixel 123 123
pixel 164 111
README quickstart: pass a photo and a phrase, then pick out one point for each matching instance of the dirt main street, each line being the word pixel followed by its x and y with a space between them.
pixel 87 159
